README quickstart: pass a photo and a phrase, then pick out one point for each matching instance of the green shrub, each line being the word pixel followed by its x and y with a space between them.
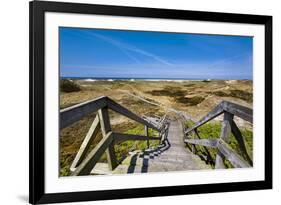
pixel 69 86
pixel 189 85
pixel 244 95
pixel 168 91
pixel 190 101
pixel 220 93
pixel 178 94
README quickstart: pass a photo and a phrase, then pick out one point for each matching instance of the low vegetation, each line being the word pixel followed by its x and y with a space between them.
pixel 190 101
pixel 189 85
pixel 179 95
pixel 69 86
pixel 244 95
pixel 206 81
pixel 168 91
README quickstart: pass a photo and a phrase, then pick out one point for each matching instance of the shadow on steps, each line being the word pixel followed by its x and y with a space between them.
pixel 147 155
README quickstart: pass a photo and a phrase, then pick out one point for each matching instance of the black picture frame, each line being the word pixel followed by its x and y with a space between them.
pixel 37 101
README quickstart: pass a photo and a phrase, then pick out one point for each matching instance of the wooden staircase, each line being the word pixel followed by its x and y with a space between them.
pixel 170 155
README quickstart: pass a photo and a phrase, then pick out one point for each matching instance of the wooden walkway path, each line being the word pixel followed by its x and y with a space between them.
pixel 170 155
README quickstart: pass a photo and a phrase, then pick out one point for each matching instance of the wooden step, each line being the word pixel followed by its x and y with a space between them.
pixel 169 156
pixel 101 169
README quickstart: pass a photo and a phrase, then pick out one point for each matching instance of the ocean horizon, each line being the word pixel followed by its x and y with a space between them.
pixel 146 79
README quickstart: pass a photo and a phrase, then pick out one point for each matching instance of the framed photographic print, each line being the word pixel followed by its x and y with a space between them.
pixel 140 102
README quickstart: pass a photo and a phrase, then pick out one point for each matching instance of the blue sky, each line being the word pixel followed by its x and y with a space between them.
pixel 137 54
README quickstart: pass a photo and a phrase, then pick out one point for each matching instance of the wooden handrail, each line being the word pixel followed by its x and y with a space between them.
pixel 224 148
pixel 211 115
pixel 231 155
pixel 225 106
pixel 124 111
pixel 238 110
pixel 204 142
pixel 82 164
pixel 228 125
pixel 76 112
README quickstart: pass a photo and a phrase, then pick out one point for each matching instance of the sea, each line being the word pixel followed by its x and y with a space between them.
pixel 90 79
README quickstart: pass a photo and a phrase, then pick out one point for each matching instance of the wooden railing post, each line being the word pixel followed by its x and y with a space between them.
pixel 146 134
pixel 193 147
pixel 105 129
pixel 225 133
pixel 241 142
pixel 161 136
pixel 210 159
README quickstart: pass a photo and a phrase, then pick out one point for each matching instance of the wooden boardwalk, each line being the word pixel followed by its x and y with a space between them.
pixel 172 153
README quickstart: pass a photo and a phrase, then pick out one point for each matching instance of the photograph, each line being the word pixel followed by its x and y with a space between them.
pixel 131 102
pixel 140 102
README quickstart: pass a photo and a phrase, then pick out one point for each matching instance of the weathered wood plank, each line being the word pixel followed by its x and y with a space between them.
pixel 238 110
pixel 165 132
pixel 74 113
pixel 211 115
pixel 120 137
pixel 231 155
pixel 206 150
pixel 123 111
pixel 204 142
pixel 84 148
pixel 92 158
pixel 224 135
pixel 105 128
pixel 163 119
pixel 225 130
pixel 146 133
pixel 241 142
pixel 162 124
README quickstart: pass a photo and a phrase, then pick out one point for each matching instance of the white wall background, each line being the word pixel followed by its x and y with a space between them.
pixel 14 99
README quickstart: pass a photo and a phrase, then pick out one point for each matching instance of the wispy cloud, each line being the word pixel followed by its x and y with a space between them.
pixel 201 57
pixel 227 61
pixel 127 49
